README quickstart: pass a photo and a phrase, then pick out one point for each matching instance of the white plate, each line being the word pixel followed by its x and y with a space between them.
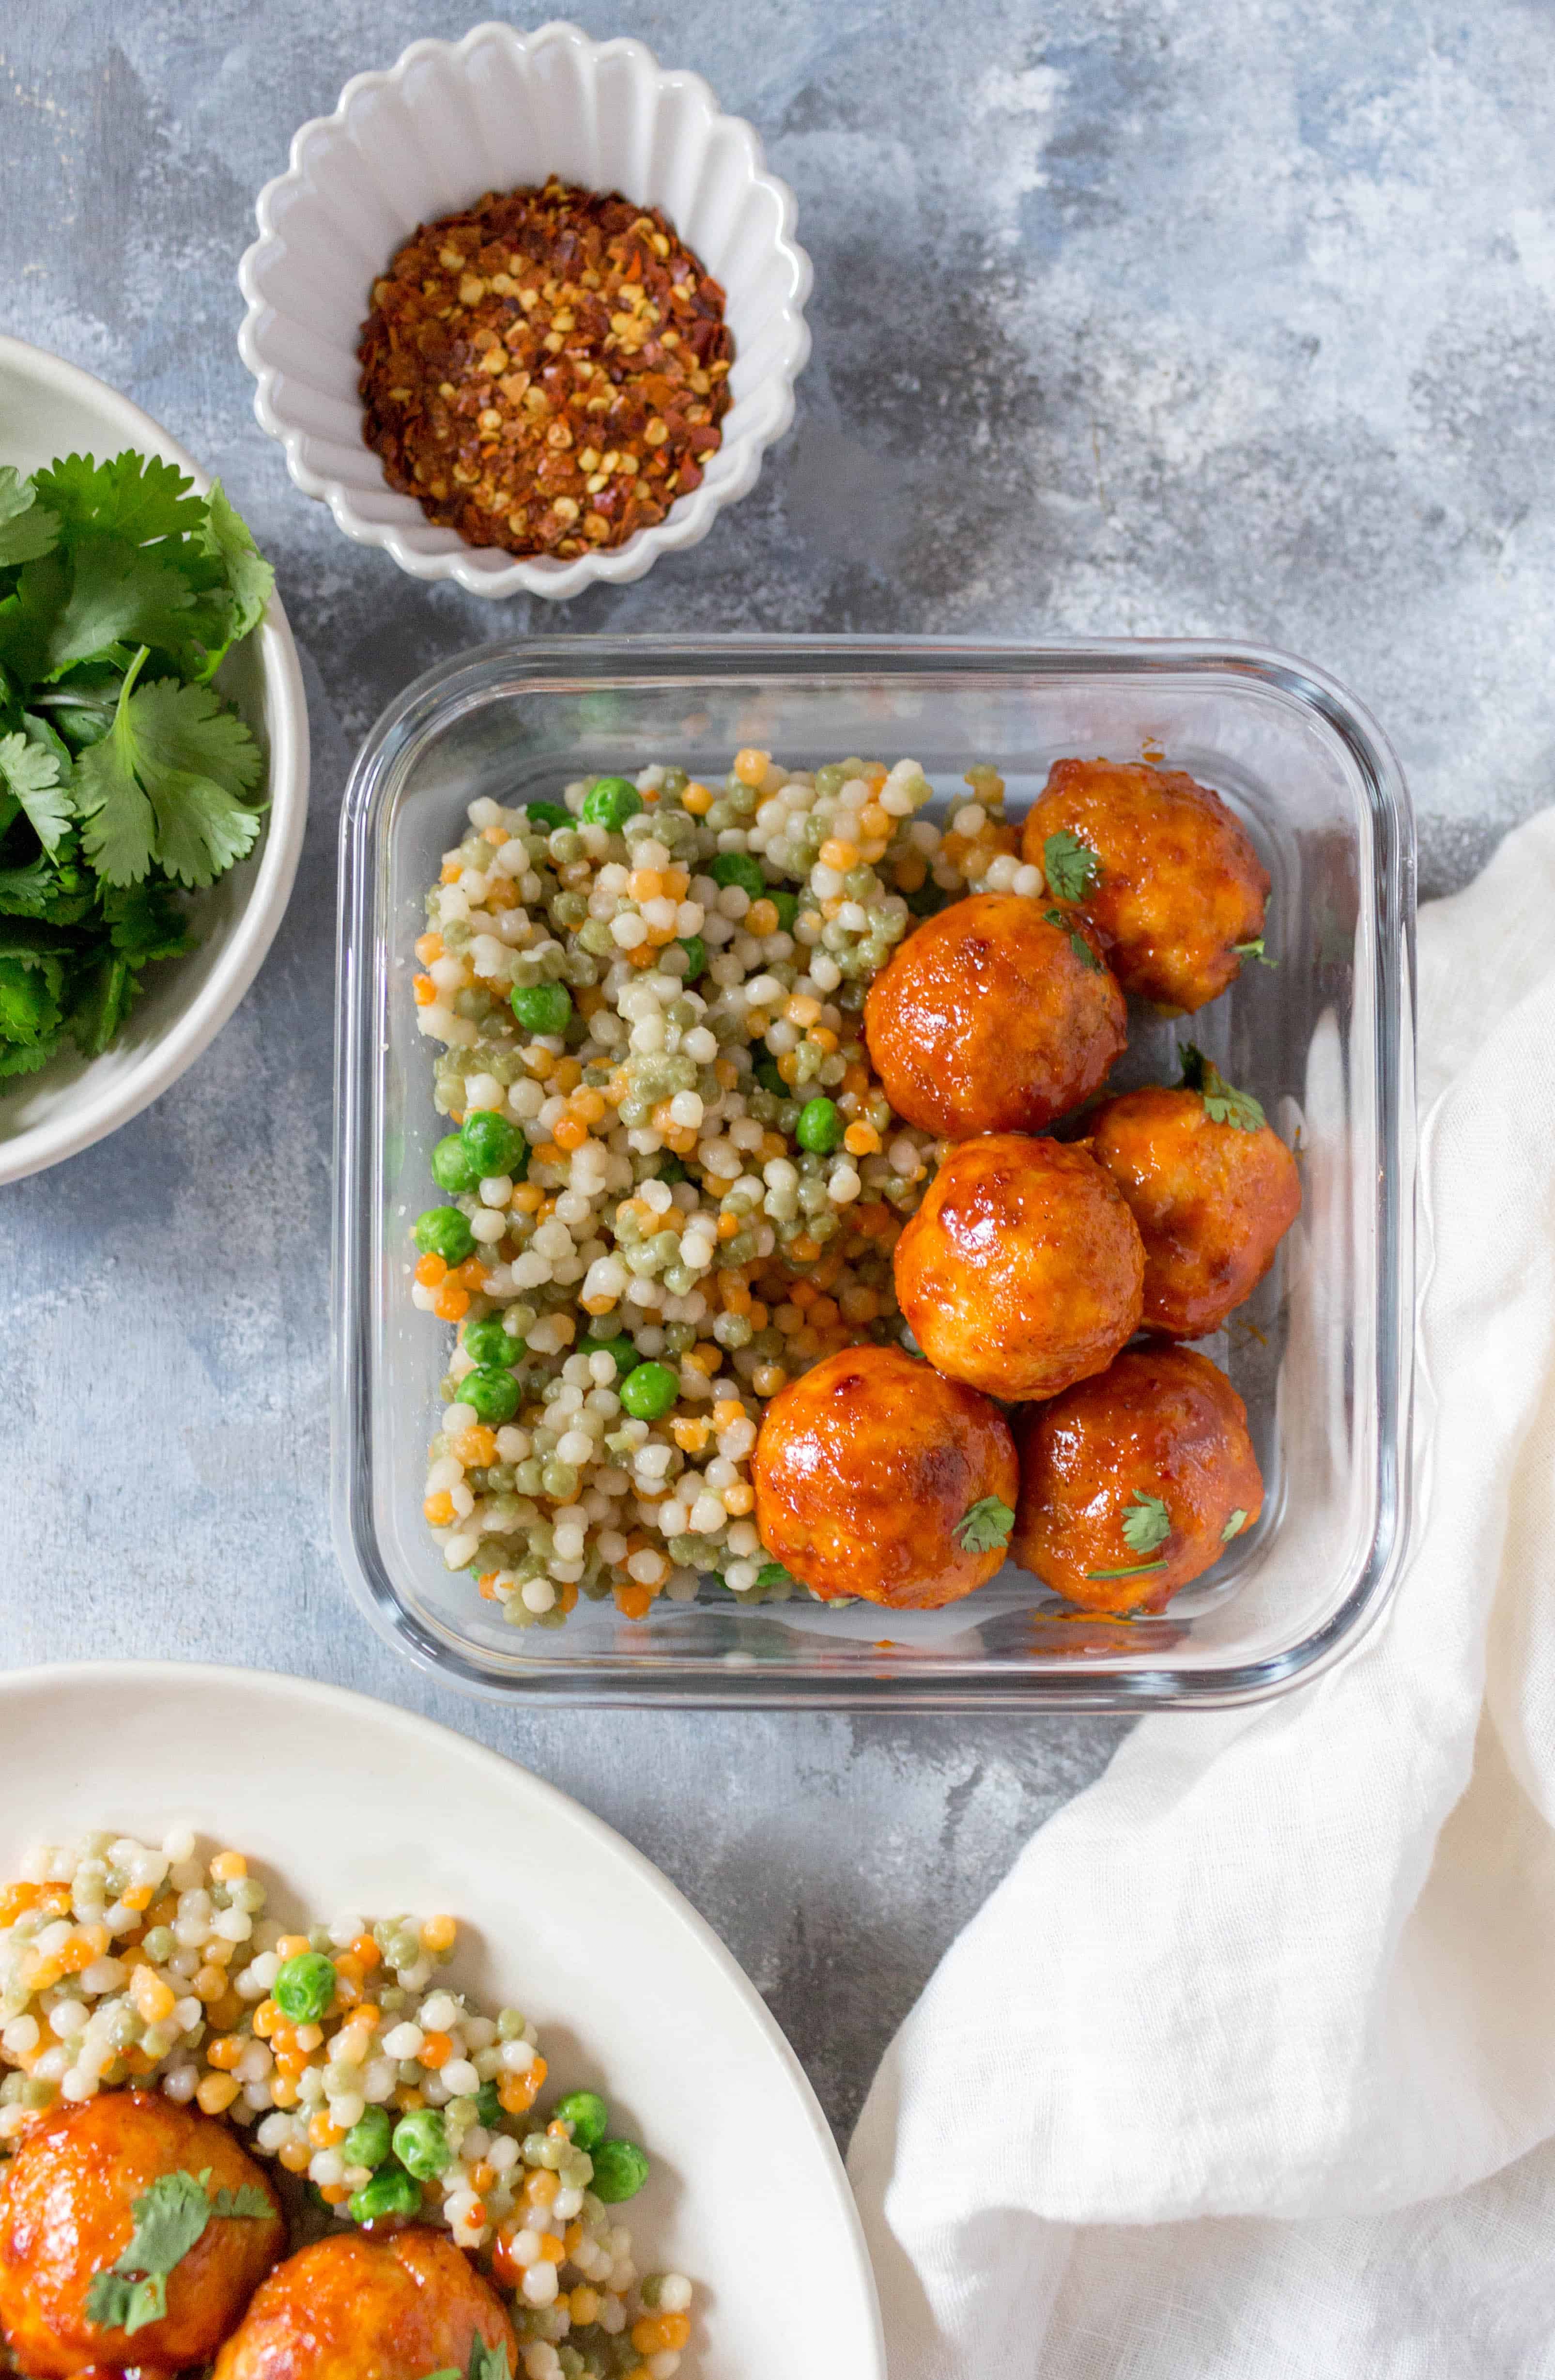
pixel 348 1804
pixel 50 408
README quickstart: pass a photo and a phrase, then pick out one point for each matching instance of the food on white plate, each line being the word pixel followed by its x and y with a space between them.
pixel 877 1476
pixel 180 2071
pixel 1212 1188
pixel 125 779
pixel 1161 872
pixel 363 2308
pixel 996 1016
pixel 1023 1269
pixel 1133 1483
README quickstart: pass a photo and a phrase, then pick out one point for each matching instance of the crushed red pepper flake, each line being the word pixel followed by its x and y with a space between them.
pixel 547 372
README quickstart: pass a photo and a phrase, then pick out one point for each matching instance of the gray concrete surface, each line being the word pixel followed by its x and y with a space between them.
pixel 1131 317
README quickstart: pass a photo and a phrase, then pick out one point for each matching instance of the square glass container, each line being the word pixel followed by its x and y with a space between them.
pixel 1325 1039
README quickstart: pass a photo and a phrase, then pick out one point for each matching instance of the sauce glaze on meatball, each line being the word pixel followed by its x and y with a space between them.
pixel 865 1469
pixel 1212 1202
pixel 1022 1269
pixel 354 2308
pixel 987 1019
pixel 1163 1423
pixel 66 2213
pixel 1180 883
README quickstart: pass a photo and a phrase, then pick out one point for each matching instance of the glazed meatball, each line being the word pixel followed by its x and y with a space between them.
pixel 1213 1191
pixel 1021 1271
pixel 1176 885
pixel 1133 1483
pixel 865 1471
pixel 66 2205
pixel 353 2308
pixel 991 1018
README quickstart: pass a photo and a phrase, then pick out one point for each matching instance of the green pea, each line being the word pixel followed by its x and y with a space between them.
pixel 649 1392
pixel 820 1126
pixel 620 2170
pixel 587 2115
pixel 451 1166
pixel 495 1395
pixel 696 956
pixel 611 803
pixel 671 1170
pixel 621 1347
pixel 391 2191
pixel 488 2106
pixel 542 1007
pixel 787 906
pixel 420 2143
pixel 443 1231
pixel 738 868
pixel 304 1988
pixel 547 814
pixel 493 1145
pixel 367 2142
pixel 766 1072
pixel 488 1344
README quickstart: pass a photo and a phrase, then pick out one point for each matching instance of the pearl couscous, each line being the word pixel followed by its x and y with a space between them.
pixel 341 2057
pixel 676 1181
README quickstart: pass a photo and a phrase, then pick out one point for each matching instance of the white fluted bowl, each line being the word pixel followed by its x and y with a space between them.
pixel 494 112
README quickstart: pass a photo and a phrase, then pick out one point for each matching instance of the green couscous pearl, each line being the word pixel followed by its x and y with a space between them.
pixel 620 2170
pixel 367 2142
pixel 611 802
pixel 443 1231
pixel 420 2143
pixel 649 1392
pixel 671 1170
pixel 392 2191
pixel 621 1347
pixel 493 1145
pixel 820 1126
pixel 696 956
pixel 304 1988
pixel 490 1346
pixel 492 1395
pixel 738 868
pixel 587 2115
pixel 548 815
pixel 451 1166
pixel 767 1074
pixel 787 906
pixel 541 1007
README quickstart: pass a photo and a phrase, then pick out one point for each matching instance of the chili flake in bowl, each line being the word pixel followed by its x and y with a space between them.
pixel 547 371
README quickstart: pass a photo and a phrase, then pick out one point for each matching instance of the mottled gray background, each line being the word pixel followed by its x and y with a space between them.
pixel 1231 319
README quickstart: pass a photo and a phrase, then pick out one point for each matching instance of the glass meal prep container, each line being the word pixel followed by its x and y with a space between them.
pixel 1322 1350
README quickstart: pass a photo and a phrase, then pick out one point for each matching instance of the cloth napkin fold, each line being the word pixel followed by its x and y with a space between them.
pixel 1247 2070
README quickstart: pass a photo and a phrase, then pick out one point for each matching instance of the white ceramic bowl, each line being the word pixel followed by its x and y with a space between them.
pixel 495 112
pixel 50 408
pixel 348 1804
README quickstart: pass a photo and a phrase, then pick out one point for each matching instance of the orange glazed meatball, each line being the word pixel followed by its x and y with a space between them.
pixel 993 1018
pixel 1132 1484
pixel 66 2213
pixel 866 1470
pixel 1021 1271
pixel 1213 1189
pixel 353 2308
pixel 1168 880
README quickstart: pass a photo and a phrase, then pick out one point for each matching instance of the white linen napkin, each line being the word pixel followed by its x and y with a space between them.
pixel 1247 2070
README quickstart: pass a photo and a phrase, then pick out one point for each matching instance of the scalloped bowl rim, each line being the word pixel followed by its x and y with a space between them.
pixel 692 516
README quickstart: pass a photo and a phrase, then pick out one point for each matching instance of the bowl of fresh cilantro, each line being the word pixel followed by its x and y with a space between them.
pixel 154 760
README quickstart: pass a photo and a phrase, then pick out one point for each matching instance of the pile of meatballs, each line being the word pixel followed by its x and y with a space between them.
pixel 1114 1472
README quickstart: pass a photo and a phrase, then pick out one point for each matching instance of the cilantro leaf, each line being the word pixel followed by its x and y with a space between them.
pixel 1146 1524
pixel 115 2302
pixel 136 497
pixel 30 988
pixel 121 595
pixel 1221 1103
pixel 224 534
pixel 166 783
pixel 1077 942
pixel 1130 1569
pixel 984 1525
pixel 105 994
pixel 486 2362
pixel 143 923
pixel 1234 1527
pixel 1254 951
pixel 247 2201
pixel 32 773
pixel 170 2219
pixel 1070 866
pixel 26 529
pixel 772 1575
pixel 26 892
pixel 28 616
pixel 17 1058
